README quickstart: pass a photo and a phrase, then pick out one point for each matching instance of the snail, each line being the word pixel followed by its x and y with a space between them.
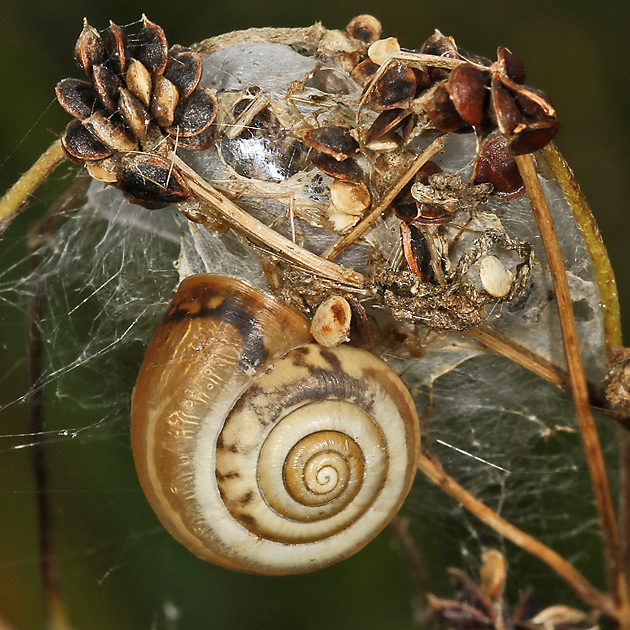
pixel 258 449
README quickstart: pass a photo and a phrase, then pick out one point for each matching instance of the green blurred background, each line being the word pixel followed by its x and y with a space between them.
pixel 571 49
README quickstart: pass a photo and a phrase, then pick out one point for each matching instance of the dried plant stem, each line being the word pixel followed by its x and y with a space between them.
pixel 399 529
pixel 334 250
pixel 56 614
pixel 588 431
pixel 521 356
pixel 13 200
pixel 589 594
pixel 253 228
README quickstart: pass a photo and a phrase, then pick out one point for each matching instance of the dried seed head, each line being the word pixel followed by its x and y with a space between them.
pixel 330 81
pixel 164 101
pixel 331 323
pixel 194 115
pixel 76 97
pixel 495 165
pixel 152 47
pixel 151 180
pixel 81 145
pixel 89 49
pixel 394 89
pixel 184 70
pixel 364 27
pixel 345 170
pixel 380 51
pixel 495 278
pixel 350 198
pixel 139 82
pixel 334 141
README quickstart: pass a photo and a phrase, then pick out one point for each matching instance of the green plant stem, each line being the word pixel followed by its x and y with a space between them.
pixel 13 200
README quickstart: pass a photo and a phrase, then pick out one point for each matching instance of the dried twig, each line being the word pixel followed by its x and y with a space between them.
pixel 263 234
pixel 588 431
pixel 591 595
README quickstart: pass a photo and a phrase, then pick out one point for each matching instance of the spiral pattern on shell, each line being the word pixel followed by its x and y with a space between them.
pixel 258 450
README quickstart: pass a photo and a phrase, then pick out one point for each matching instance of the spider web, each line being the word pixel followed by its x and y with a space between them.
pixel 108 270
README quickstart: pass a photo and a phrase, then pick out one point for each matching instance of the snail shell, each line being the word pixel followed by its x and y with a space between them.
pixel 258 450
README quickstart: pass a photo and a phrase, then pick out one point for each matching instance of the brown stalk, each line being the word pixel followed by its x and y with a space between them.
pixel 589 594
pixel 13 200
pixel 334 250
pixel 579 391
pixel 263 234
pixel 520 355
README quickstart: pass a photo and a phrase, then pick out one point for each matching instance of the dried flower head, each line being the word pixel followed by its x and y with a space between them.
pixel 142 98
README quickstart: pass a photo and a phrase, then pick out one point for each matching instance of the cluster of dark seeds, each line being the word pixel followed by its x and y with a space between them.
pixel 139 102
pixel 474 95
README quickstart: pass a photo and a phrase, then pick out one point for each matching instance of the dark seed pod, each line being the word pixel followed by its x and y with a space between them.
pixel 117 48
pixel 533 136
pixel 151 180
pixel 195 114
pixel 510 65
pixel 183 69
pixel 345 170
pixel 394 89
pixel 440 46
pixel 89 50
pixel 106 84
pixel 365 28
pixel 440 110
pixel 81 145
pixel 76 97
pixel 111 131
pixel 363 72
pixel 468 87
pixel 388 120
pixel 416 251
pixel 434 214
pixel 201 142
pixel 495 165
pixel 152 47
pixel 334 141
pixel 134 113
pixel 504 107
